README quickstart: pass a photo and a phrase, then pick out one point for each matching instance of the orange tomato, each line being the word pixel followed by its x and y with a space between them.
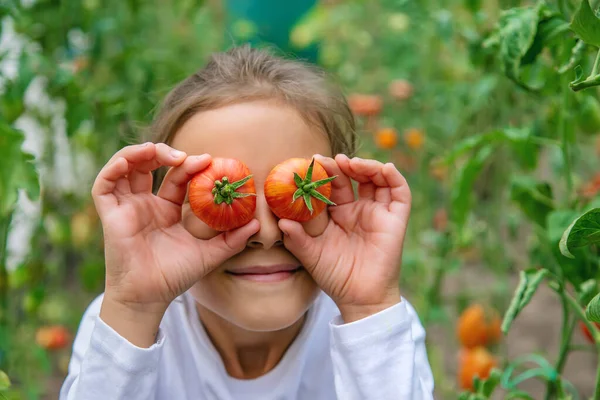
pixel 400 89
pixel 478 327
pixel 52 337
pixel 298 189
pixel 365 105
pixel 414 138
pixel 386 138
pixel 223 195
pixel 474 362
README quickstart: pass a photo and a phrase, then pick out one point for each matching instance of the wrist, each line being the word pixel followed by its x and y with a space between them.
pixel 138 323
pixel 354 312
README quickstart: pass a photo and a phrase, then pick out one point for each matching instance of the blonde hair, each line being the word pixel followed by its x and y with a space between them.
pixel 247 74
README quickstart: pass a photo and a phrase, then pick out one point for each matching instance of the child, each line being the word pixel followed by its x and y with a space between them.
pixel 275 309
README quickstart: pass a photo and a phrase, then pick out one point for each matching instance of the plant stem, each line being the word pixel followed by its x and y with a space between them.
pixel 595 334
pixel 564 138
pixel 596 64
pixel 588 83
pixel 566 333
pixel 4 227
pixel 564 9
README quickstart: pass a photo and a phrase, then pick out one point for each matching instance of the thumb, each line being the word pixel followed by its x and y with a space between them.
pixel 299 243
pixel 227 244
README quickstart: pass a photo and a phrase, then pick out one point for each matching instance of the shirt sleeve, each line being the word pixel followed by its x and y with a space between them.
pixel 104 365
pixel 382 356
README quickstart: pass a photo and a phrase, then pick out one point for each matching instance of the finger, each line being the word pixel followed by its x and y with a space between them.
pixel 341 187
pixel 383 195
pixel 140 177
pixel 400 194
pixel 299 243
pixel 106 184
pixel 174 186
pixel 227 244
pixel 135 153
pixel 363 171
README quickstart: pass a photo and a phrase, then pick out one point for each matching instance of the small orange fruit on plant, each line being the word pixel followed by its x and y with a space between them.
pixel 478 327
pixel 53 337
pixel 386 138
pixel 365 105
pixel 414 138
pixel 474 362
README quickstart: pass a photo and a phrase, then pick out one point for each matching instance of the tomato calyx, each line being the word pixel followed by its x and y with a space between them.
pixel 225 191
pixel 307 188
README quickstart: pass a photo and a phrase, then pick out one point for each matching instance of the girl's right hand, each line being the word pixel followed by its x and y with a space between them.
pixel 150 257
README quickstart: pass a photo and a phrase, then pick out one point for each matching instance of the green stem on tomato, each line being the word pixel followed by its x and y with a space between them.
pixel 225 191
pixel 308 189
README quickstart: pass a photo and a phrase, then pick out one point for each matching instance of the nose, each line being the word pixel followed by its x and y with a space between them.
pixel 269 234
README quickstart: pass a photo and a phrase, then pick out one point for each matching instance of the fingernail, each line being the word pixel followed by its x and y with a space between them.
pixel 176 153
pixel 145 144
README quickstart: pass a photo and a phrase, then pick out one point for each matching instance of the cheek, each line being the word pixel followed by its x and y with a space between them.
pixel 317 225
pixel 195 226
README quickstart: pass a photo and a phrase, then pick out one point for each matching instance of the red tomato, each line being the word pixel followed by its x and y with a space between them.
pixel 52 337
pixel 292 193
pixel 223 195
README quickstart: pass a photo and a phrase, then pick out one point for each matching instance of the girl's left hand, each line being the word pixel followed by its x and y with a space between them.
pixel 356 260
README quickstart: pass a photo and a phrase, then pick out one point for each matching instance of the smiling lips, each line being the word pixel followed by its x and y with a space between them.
pixel 267 273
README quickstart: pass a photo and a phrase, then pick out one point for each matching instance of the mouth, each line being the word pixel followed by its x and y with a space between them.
pixel 267 273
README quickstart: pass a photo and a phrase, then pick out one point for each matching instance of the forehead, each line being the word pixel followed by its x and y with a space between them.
pixel 260 134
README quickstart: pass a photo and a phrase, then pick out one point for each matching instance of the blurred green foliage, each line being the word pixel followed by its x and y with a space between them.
pixel 498 149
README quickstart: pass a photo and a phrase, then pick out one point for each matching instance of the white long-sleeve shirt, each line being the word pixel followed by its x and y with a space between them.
pixel 380 357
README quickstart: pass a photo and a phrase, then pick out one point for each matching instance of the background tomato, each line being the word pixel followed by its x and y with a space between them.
pixel 478 327
pixel 223 195
pixel 474 362
pixel 53 337
pixel 386 138
pixel 292 193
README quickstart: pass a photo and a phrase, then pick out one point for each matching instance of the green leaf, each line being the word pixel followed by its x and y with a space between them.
pixel 298 180
pixel 577 53
pixel 17 169
pixel 515 136
pixel 533 198
pixel 592 311
pixel 4 381
pixel 584 231
pixel 529 281
pixel 462 190
pixel 514 35
pixel 490 384
pixel 585 24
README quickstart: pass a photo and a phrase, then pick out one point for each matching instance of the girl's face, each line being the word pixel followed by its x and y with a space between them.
pixel 261 134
